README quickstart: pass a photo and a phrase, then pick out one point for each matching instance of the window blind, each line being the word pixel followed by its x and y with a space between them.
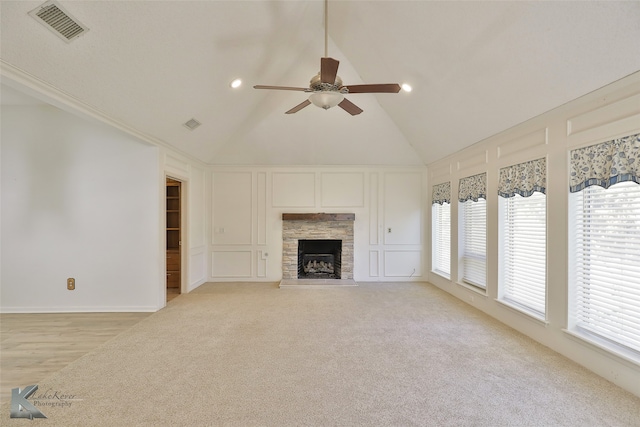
pixel 474 242
pixel 523 255
pixel 441 238
pixel 607 262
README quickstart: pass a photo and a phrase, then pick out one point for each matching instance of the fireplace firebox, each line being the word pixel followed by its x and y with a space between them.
pixel 319 259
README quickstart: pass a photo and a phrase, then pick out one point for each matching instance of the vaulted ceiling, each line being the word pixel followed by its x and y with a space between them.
pixel 476 68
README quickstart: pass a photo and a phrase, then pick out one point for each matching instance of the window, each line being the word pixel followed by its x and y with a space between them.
pixel 441 239
pixel 441 229
pixel 473 230
pixel 522 236
pixel 523 252
pixel 474 242
pixel 605 243
pixel 606 268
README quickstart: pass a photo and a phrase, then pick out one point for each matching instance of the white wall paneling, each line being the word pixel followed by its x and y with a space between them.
pixel 351 189
pixel 374 263
pixel 521 146
pixel 261 261
pixel 374 208
pixel 372 193
pixel 197 208
pixel 197 267
pixel 402 208
pixel 614 114
pixel 261 215
pixel 472 158
pixel 402 263
pixel 293 189
pixel 441 173
pixel 232 208
pixel 231 264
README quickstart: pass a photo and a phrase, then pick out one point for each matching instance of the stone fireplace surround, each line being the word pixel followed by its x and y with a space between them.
pixel 316 226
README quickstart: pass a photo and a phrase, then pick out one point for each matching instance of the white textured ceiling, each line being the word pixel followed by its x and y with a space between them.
pixel 477 68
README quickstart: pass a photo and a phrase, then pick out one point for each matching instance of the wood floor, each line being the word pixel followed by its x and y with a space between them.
pixel 34 346
pixel 172 293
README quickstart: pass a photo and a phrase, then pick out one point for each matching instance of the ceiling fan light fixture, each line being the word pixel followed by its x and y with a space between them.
pixel 406 87
pixel 326 99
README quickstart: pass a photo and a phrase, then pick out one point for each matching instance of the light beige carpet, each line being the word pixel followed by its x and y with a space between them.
pixel 393 354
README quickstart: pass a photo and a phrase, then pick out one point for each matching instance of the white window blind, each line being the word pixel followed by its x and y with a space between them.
pixel 607 262
pixel 523 251
pixel 441 238
pixel 474 242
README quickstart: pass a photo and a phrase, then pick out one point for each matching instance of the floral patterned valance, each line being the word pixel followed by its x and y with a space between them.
pixel 473 188
pixel 606 164
pixel 523 179
pixel 441 193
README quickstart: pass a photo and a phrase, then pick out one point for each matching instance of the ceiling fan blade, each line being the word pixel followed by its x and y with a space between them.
pixel 350 107
pixel 301 89
pixel 375 88
pixel 328 70
pixel 299 107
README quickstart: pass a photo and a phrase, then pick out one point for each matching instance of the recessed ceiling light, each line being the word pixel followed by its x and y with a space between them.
pixel 236 83
pixel 406 87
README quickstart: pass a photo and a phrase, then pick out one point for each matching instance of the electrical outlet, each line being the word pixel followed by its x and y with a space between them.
pixel 389 230
pixel 71 283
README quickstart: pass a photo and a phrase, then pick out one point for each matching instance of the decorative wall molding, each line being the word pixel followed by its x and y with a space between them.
pixel 261 214
pixel 469 160
pixel 24 82
pixel 351 185
pixel 374 226
pixel 442 172
pixel 232 227
pixel 197 267
pixel 231 264
pixel 293 189
pixel 517 145
pixel 403 263
pixel 374 263
pixel 618 111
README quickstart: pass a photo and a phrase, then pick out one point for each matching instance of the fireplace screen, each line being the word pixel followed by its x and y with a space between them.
pixel 319 259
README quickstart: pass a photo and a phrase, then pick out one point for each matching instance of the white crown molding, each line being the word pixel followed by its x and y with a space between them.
pixel 32 85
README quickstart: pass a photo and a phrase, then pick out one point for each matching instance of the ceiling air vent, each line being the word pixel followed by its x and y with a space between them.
pixel 53 16
pixel 192 124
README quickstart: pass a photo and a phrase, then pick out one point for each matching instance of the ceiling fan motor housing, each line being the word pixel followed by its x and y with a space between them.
pixel 317 85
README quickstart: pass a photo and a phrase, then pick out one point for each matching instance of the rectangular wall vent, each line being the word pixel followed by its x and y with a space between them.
pixel 192 124
pixel 53 16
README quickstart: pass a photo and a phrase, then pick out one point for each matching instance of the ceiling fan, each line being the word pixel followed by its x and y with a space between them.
pixel 326 87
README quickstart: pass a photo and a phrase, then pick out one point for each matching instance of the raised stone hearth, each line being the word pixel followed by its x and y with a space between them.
pixel 316 226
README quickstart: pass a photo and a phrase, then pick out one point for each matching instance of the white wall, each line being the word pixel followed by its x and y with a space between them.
pixel 608 113
pixel 248 203
pixel 79 199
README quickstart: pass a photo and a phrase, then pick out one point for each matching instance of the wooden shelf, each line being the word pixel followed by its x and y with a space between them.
pixel 318 216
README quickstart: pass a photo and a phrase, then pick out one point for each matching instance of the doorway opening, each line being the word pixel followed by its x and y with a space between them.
pixel 174 238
